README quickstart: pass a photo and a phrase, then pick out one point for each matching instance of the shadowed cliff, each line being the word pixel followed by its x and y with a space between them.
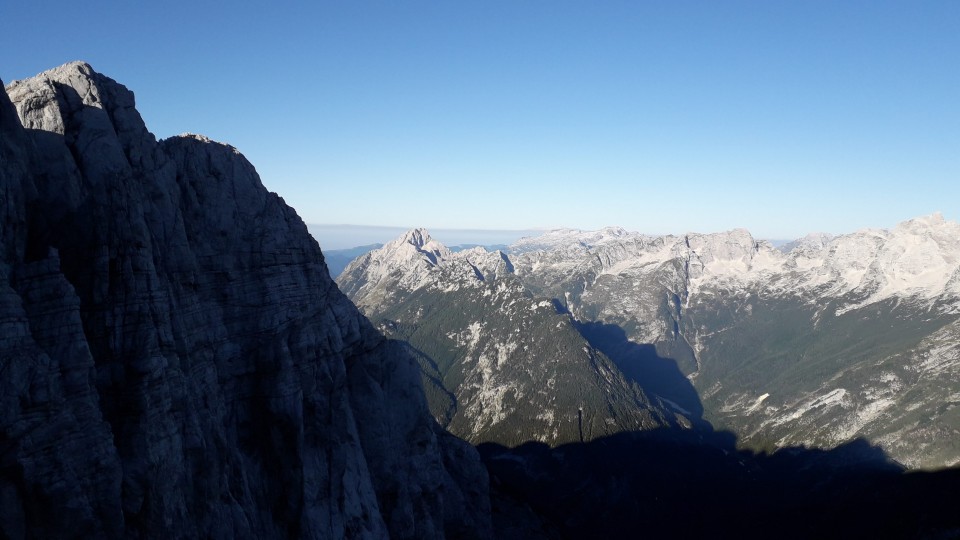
pixel 669 483
pixel 175 360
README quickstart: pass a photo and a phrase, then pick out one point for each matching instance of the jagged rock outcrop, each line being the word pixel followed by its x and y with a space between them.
pixel 175 360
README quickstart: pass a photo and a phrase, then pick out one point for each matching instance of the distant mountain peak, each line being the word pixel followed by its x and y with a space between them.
pixel 614 230
pixel 812 241
pixel 922 223
pixel 417 237
pixel 413 245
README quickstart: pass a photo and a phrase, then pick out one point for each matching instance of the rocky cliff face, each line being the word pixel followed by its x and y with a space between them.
pixel 175 360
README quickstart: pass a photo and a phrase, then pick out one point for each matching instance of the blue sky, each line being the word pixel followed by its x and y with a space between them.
pixel 663 117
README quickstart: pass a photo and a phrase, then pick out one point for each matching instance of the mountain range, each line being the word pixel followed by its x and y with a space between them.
pixel 479 335
pixel 815 343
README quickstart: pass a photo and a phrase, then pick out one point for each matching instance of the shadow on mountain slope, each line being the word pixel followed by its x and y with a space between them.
pixel 642 364
pixel 441 401
pixel 685 484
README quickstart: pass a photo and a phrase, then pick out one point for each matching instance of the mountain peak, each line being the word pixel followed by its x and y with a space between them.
pixel 417 237
pixel 75 98
pixel 810 242
pixel 70 69
pixel 733 244
pixel 931 221
pixel 415 243
pixel 78 75
pixel 615 230
pixel 79 66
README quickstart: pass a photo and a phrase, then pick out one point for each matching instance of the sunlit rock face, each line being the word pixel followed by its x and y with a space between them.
pixel 816 343
pixel 499 364
pixel 175 360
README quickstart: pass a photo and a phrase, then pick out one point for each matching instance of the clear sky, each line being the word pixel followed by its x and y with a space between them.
pixel 662 117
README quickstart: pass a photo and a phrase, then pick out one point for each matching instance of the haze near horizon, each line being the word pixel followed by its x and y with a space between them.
pixel 782 119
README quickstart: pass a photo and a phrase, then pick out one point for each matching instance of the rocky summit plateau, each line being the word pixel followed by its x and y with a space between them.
pixel 176 362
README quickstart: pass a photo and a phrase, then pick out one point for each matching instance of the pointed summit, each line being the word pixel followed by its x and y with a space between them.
pixel 417 237
pixel 78 84
pixel 75 98
pixel 423 244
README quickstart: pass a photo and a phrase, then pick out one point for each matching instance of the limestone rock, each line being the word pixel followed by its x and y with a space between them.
pixel 175 360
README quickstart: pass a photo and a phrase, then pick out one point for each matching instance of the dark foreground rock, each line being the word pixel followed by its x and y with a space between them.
pixel 681 484
pixel 175 360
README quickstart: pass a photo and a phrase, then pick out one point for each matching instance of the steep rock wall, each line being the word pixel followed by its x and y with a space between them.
pixel 175 360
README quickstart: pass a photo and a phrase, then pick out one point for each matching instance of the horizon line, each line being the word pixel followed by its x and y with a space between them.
pixel 400 227
pixel 535 230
